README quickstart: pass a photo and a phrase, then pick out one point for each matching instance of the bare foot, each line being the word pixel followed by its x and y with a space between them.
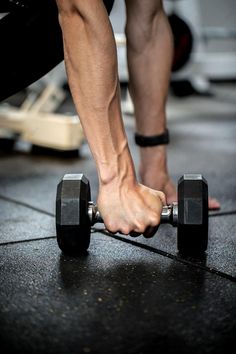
pixel 154 174
pixel 213 204
pixel 164 184
pixel 167 186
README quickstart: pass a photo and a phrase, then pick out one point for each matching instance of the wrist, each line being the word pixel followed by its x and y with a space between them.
pixel 118 170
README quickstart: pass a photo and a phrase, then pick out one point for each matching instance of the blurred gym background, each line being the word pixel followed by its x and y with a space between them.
pixel 204 65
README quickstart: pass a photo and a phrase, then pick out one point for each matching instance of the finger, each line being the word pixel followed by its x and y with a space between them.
pixel 162 198
pixel 150 231
pixel 111 232
pixel 135 234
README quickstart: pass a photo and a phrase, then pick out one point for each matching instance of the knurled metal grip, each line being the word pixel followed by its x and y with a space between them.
pixel 93 213
pixel 169 214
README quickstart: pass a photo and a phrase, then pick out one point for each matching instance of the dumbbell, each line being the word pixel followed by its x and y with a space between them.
pixel 76 214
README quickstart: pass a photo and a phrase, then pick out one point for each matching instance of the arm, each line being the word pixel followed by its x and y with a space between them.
pixel 91 64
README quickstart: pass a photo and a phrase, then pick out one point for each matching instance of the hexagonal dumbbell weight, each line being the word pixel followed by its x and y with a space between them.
pixel 76 213
pixel 72 219
pixel 192 225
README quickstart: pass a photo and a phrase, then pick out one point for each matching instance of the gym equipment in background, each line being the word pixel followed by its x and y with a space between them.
pixel 36 123
pixel 31 46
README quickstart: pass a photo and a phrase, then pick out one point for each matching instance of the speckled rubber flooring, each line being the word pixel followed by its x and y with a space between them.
pixel 126 295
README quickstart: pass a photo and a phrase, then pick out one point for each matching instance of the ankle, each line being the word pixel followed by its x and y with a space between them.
pixel 157 176
pixel 153 166
pixel 154 159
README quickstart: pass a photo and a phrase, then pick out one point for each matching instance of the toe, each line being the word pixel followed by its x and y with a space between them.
pixel 213 204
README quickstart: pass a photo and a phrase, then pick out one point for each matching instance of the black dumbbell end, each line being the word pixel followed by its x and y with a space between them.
pixel 72 220
pixel 192 234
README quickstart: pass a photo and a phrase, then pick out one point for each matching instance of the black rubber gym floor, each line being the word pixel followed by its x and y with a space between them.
pixel 126 295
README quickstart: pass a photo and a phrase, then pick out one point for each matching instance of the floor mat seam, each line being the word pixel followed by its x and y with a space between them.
pixel 26 205
pixel 168 255
pixel 140 245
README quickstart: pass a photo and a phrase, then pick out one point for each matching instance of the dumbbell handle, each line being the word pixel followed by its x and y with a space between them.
pixel 169 214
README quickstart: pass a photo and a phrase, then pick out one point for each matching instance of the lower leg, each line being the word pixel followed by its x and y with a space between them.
pixel 149 54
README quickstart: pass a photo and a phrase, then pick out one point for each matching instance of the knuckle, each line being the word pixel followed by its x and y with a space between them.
pixel 125 230
pixel 111 227
pixel 155 220
pixel 139 226
pixel 162 196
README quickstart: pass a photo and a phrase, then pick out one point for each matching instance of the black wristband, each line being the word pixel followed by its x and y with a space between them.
pixel 146 141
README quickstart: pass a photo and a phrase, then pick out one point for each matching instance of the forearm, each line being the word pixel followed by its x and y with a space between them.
pixel 91 64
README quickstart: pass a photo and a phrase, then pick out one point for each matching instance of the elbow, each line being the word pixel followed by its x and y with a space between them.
pixel 82 8
pixel 66 7
pixel 68 10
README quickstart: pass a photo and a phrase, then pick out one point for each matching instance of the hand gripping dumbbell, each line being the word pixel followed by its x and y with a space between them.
pixel 76 214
